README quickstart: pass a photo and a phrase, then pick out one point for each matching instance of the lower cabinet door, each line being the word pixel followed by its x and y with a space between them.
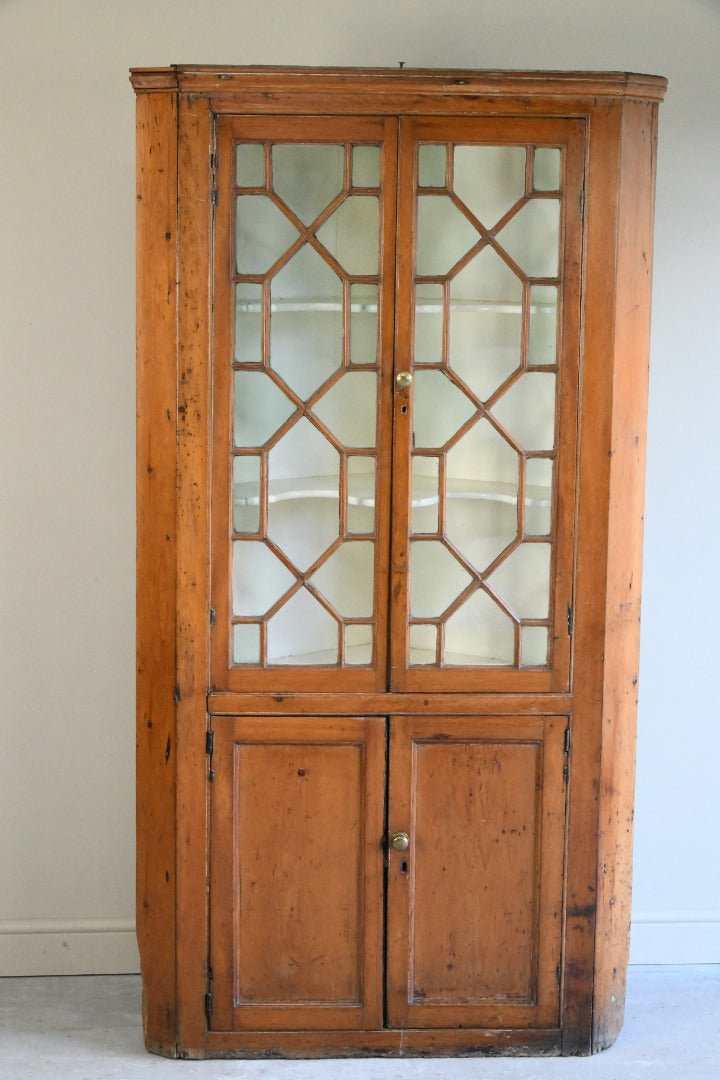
pixel 296 873
pixel 475 898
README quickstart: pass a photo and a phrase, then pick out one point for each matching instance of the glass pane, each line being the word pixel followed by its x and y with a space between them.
pixel 248 323
pixel 304 485
pixel 485 323
pixel 246 494
pixel 263 233
pixel 358 644
pixel 261 408
pixel 361 494
pixel 425 495
pixel 352 234
pixel 429 304
pixel 346 579
pixel 538 496
pixel 250 165
pixel 306 322
pixel 302 632
pixel 543 324
pixel 444 235
pixel 481 506
pixel 436 578
pixel 307 177
pixel 533 646
pixel 546 169
pixel 532 237
pixel 432 162
pixel 366 166
pixel 348 408
pixel 489 179
pixel 363 324
pixel 480 633
pixel 523 581
pixel 439 408
pixel 527 410
pixel 246 643
pixel 259 579
pixel 423 643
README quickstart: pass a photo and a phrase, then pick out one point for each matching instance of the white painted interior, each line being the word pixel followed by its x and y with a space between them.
pixel 66 338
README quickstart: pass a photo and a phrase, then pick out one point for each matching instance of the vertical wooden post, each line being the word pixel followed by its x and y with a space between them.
pixel 156 558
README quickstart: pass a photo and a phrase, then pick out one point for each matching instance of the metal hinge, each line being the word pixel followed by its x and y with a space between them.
pixel 212 616
pixel 208 1007
pixel 570 620
pixel 558 975
pixel 566 751
pixel 582 203
pixel 214 196
pixel 213 162
pixel 209 748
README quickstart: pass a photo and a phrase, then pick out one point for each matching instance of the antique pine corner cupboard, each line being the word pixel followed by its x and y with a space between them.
pixel 392 344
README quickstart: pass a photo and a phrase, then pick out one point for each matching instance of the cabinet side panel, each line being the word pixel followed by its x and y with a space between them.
pixel 595 391
pixel 627 461
pixel 192 581
pixel 156 557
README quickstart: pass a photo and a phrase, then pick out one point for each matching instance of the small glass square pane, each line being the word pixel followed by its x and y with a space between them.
pixel 366 166
pixel 425 495
pixel 358 644
pixel 248 323
pixel 432 161
pixel 250 165
pixel 538 496
pixel 246 643
pixel 423 643
pixel 246 494
pixel 542 340
pixel 361 495
pixel 363 324
pixel 546 169
pixel 429 306
pixel 533 646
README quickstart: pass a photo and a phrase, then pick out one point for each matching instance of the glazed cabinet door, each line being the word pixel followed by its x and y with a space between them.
pixel 303 315
pixel 296 873
pixel 486 364
pixel 475 889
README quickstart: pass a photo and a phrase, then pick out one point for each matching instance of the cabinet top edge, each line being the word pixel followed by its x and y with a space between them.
pixel 200 78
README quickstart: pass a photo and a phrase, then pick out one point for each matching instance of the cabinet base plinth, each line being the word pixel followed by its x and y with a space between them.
pixel 468 1042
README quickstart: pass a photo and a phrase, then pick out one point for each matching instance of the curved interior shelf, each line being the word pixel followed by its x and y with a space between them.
pixel 424 492
pixel 357 655
pixel 501 307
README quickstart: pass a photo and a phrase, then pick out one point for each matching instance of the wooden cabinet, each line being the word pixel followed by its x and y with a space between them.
pixel 392 364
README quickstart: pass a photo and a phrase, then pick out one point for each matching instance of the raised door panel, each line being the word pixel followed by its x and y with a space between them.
pixel 475 903
pixel 297 813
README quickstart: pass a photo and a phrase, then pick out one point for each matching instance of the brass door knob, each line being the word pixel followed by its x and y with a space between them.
pixel 400 841
pixel 403 378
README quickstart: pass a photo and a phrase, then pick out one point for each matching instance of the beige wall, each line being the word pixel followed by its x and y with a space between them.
pixel 67 510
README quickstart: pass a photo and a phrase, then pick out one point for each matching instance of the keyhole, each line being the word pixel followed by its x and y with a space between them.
pixel 403 867
pixel 403 409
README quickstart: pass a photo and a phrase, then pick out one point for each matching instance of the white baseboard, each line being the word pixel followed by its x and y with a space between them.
pixel 675 937
pixel 109 946
pixel 68 947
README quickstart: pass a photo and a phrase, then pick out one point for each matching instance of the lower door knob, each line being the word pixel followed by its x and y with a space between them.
pixel 400 841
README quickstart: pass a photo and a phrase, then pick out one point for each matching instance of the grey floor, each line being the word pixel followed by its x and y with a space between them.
pixel 88 1028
